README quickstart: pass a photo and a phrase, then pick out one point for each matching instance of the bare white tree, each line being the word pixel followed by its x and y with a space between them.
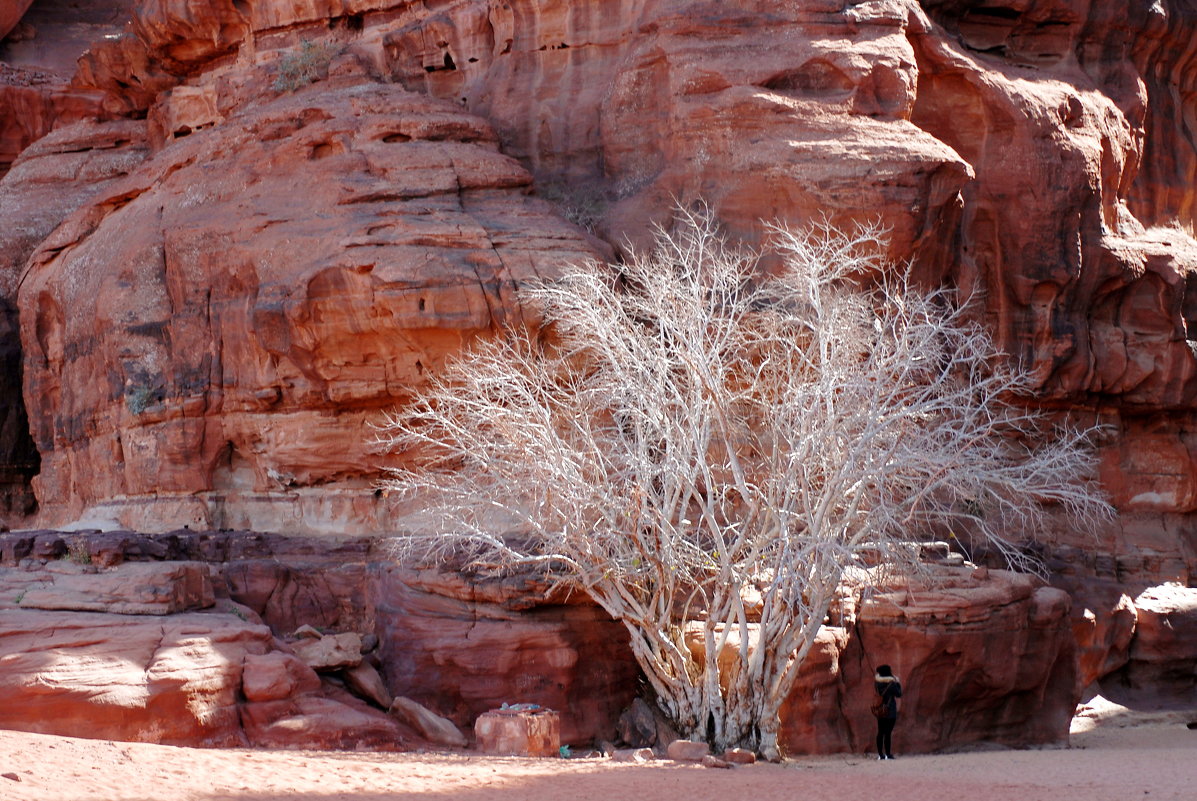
pixel 705 442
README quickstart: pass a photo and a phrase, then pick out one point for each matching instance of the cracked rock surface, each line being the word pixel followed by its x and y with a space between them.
pixel 229 316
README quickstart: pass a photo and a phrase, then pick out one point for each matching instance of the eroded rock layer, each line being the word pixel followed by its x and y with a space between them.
pixel 1022 152
pixel 278 216
pixel 266 288
pixel 232 637
pixel 224 637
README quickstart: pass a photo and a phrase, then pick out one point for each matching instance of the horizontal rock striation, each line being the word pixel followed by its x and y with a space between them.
pixel 1021 152
pixel 983 655
pixel 211 286
pixel 76 605
pixel 147 588
pixel 170 680
pixel 267 288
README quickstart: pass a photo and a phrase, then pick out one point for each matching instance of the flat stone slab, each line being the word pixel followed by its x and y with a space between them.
pixel 173 680
pixel 132 588
pixel 431 726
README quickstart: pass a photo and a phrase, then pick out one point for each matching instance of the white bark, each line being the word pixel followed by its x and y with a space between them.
pixel 695 431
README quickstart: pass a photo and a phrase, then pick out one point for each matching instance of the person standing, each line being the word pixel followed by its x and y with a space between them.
pixel 885 707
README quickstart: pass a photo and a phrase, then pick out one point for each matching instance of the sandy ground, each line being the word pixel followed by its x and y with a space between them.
pixel 1114 755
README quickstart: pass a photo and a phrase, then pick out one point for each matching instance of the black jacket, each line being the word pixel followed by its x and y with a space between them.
pixel 890 690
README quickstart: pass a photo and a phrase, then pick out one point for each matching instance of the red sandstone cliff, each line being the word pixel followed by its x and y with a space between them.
pixel 167 631
pixel 219 281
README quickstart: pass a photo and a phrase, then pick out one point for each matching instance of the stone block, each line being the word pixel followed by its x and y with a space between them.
pixel 364 681
pixel 519 732
pixel 428 724
pixel 739 756
pixel 330 651
pixel 276 676
pixel 687 751
pixel 633 755
pixel 638 725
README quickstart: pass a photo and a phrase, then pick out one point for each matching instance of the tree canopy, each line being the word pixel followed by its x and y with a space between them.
pixel 705 439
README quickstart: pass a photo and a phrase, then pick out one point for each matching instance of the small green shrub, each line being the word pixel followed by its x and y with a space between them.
pixel 140 396
pixel 306 65
pixel 20 596
pixel 78 553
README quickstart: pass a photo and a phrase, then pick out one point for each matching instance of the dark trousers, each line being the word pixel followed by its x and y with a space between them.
pixel 885 732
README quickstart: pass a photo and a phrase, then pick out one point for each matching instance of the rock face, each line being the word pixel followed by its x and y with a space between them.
pixel 11 12
pixel 983 656
pixel 1103 640
pixel 211 286
pixel 38 64
pixel 34 103
pixel 54 177
pixel 269 287
pixel 124 677
pixel 462 649
pixel 1007 147
pixel 764 110
pixel 1163 654
pixel 1059 200
pixel 478 645
pixel 114 653
pixel 980 659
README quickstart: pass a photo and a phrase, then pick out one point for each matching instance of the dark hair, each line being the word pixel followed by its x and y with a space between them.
pixel 885 670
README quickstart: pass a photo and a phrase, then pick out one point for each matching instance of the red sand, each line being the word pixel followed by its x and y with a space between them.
pixel 1125 757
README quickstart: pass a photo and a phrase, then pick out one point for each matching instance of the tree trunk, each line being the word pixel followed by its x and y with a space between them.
pixel 768 748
